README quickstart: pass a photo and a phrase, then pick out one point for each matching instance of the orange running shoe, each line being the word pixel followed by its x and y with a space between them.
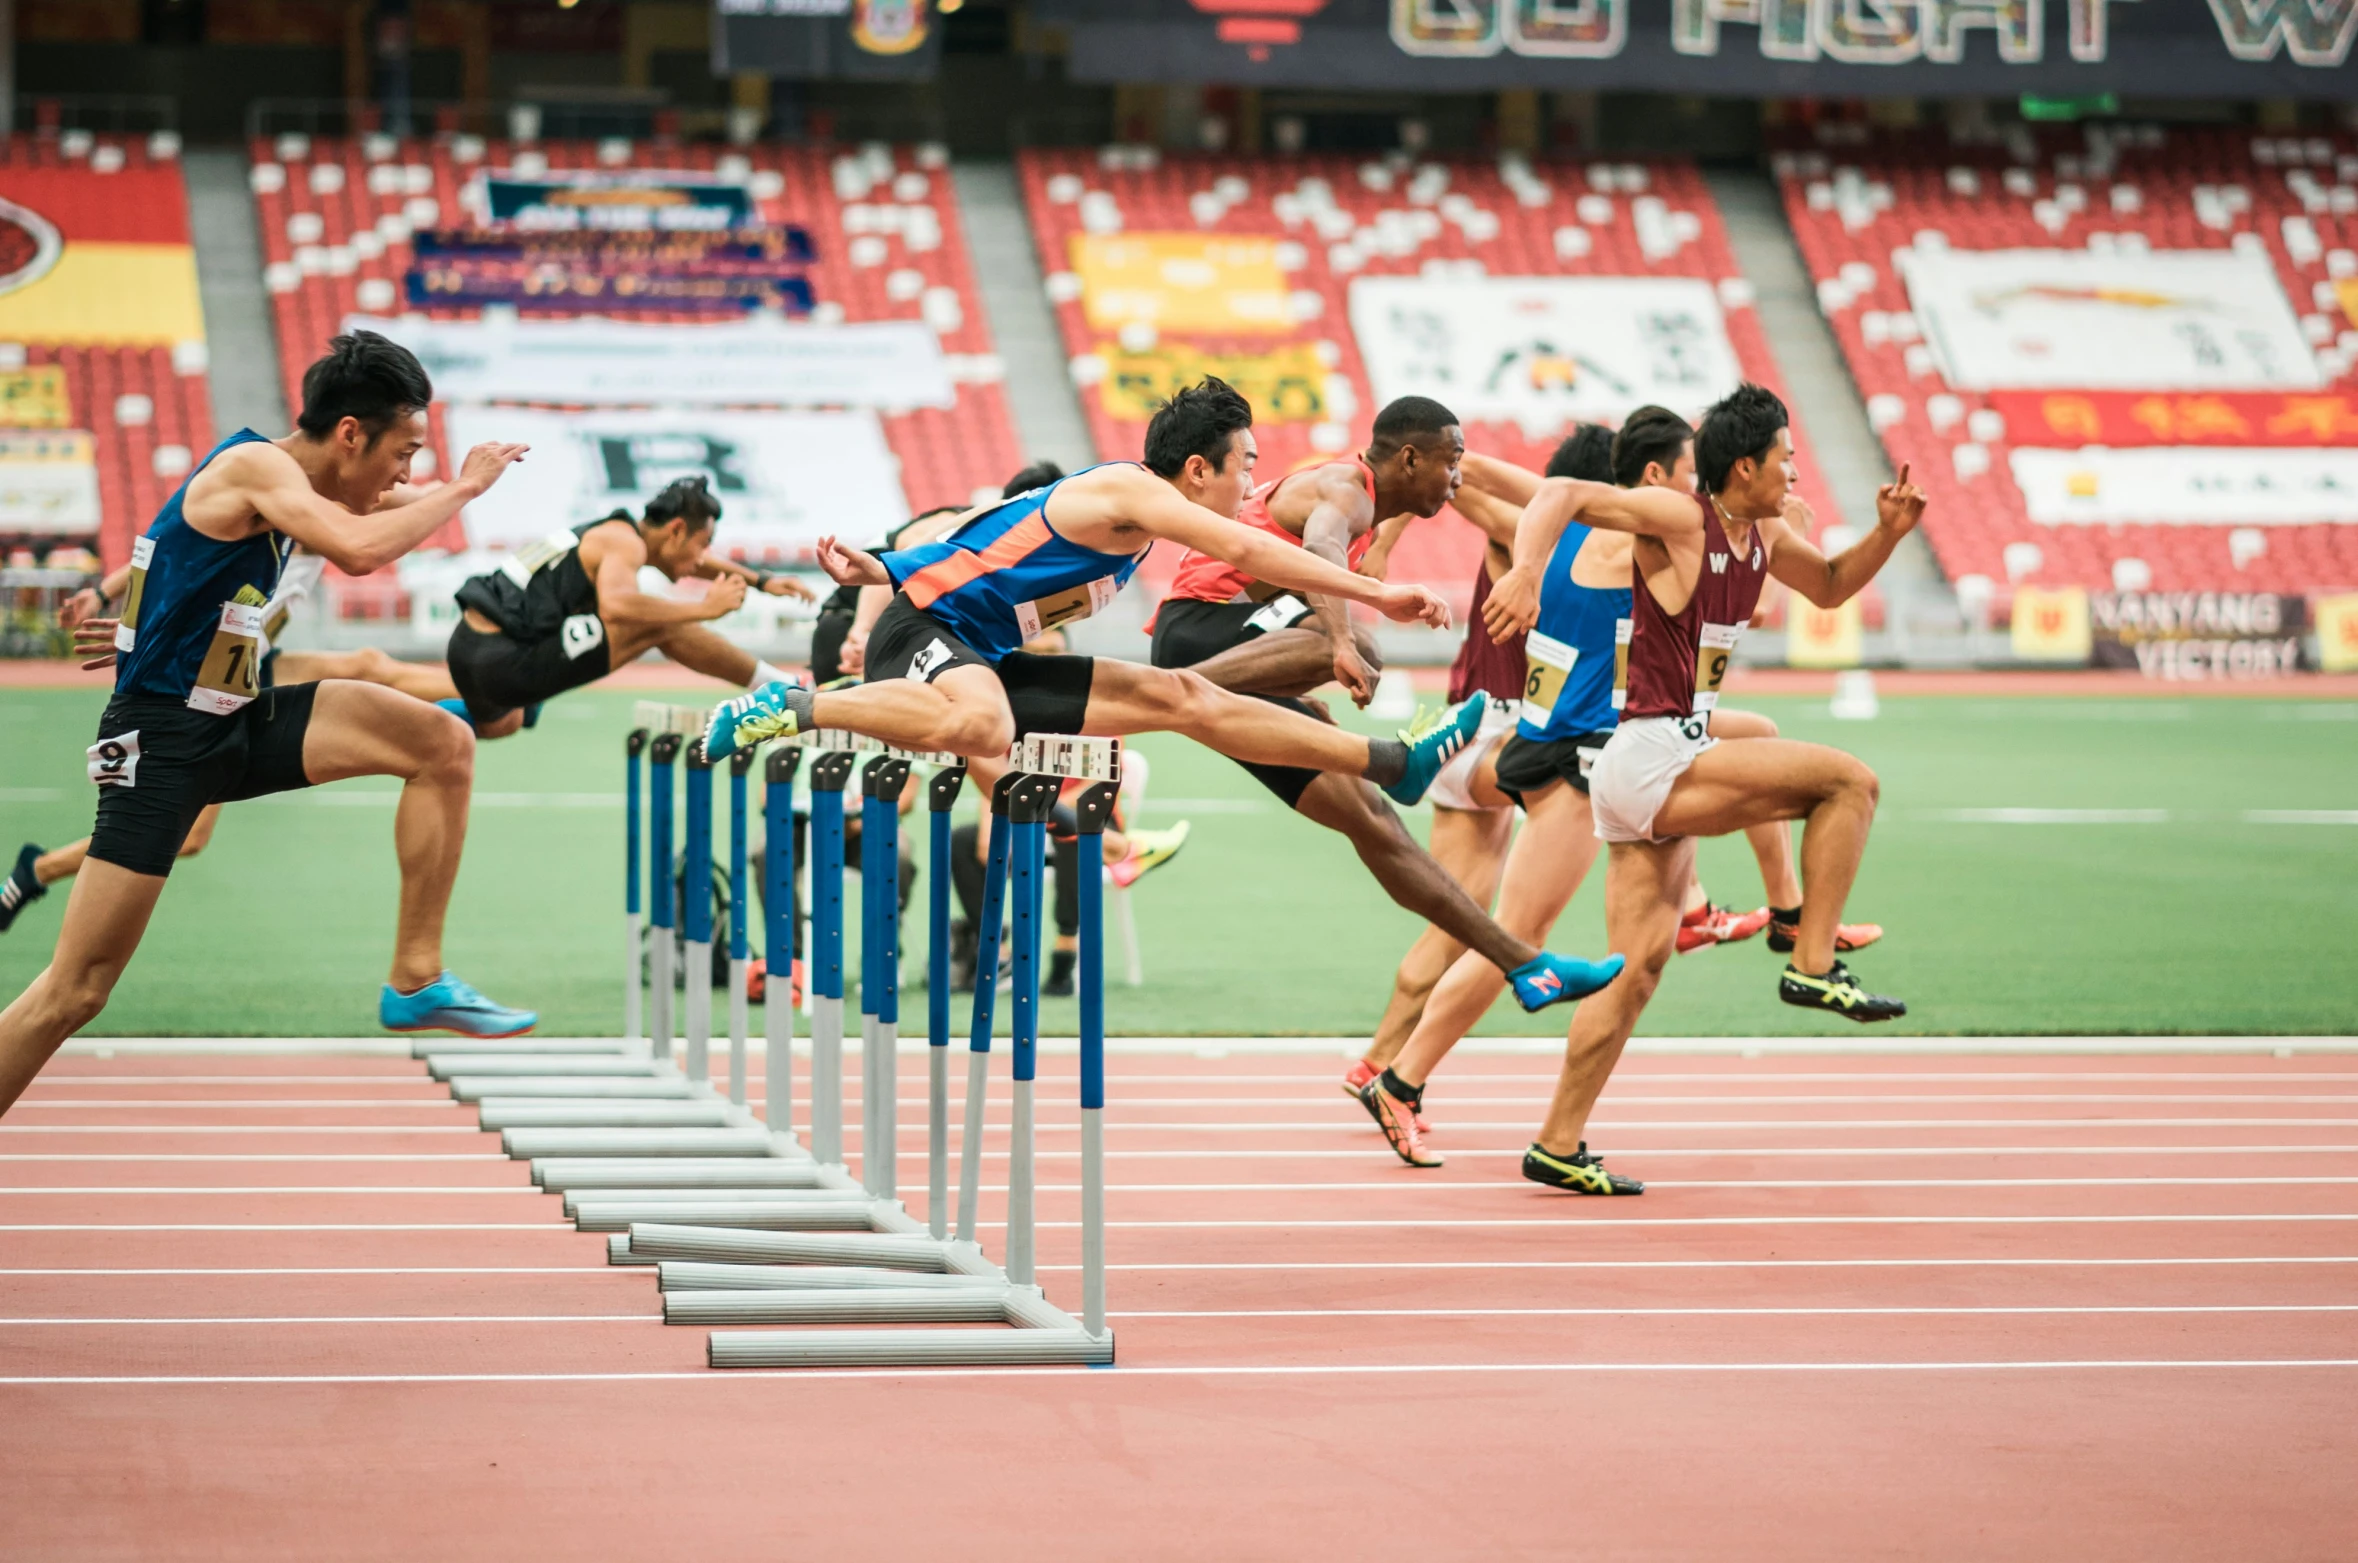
pixel 1397 1118
pixel 1362 1074
pixel 1847 936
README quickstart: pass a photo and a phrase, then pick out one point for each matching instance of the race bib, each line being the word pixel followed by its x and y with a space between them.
pixel 1621 628
pixel 114 762
pixel 583 632
pixel 1547 663
pixel 127 627
pixel 1276 614
pixel 532 558
pixel 1715 649
pixel 1042 614
pixel 231 675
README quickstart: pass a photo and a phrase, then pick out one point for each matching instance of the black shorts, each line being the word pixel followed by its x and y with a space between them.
pixel 1187 632
pixel 158 764
pixel 1046 694
pixel 1528 764
pixel 496 674
pixel 827 635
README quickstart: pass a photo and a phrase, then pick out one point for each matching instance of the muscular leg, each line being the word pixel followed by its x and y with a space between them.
pixel 365 730
pixel 964 710
pixel 692 646
pixel 1406 871
pixel 1127 697
pixel 66 861
pixel 103 923
pixel 1643 883
pixel 1470 846
pixel 1284 662
pixel 1543 872
pixel 1772 844
pixel 428 681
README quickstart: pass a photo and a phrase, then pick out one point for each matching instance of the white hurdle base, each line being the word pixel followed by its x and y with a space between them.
pixel 532 1144
pixel 646 1088
pixel 883 1251
pixel 561 1174
pixel 694 1275
pixel 427 1047
pixel 509 1112
pixel 447 1066
pixel 596 1213
pixel 977 1304
pixel 910 1348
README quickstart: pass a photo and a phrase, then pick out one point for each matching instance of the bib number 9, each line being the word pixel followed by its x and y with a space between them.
pixel 1716 648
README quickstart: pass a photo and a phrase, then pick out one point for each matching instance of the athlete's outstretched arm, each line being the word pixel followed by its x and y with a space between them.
pixel 1513 605
pixel 1376 563
pixel 1799 563
pixel 261 479
pixel 1644 512
pixel 1343 511
pixel 621 603
pixel 1496 479
pixel 1498 520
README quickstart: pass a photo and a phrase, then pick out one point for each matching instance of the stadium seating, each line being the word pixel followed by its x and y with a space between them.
pixel 146 403
pixel 1337 217
pixel 1855 197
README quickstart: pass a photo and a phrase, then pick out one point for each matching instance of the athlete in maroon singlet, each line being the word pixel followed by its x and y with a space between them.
pixel 1663 779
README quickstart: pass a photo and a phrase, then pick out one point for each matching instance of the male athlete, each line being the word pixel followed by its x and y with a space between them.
pixel 1664 778
pixel 945 671
pixel 568 609
pixel 190 724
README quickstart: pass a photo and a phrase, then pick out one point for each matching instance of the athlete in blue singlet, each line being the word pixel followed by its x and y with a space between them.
pixel 190 723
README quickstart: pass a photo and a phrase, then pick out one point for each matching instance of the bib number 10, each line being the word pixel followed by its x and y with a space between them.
pixel 231 675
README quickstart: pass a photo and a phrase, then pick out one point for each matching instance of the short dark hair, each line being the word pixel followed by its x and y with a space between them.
pixel 1586 453
pixel 1745 424
pixel 1038 475
pixel 1408 418
pixel 686 499
pixel 1201 420
pixel 1649 435
pixel 364 376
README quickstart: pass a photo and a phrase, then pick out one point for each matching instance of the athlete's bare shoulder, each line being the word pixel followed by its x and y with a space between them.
pixel 222 500
pixel 1337 483
pixel 613 535
pixel 1100 508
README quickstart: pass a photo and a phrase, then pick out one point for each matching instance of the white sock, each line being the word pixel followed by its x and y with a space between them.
pixel 763 673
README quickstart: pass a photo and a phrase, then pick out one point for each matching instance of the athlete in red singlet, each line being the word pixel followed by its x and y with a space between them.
pixel 1663 779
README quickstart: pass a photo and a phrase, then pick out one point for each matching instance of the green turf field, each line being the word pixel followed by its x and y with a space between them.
pixel 2202 900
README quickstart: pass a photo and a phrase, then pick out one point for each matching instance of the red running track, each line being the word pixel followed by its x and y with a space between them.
pixel 2086 1308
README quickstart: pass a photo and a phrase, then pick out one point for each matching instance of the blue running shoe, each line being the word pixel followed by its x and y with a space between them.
pixel 1433 748
pixel 1556 979
pixel 458 708
pixel 532 713
pixel 447 1004
pixel 753 717
pixel 21 888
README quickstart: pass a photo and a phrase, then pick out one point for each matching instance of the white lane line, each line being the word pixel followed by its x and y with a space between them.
pixel 1610 1312
pixel 2300 816
pixel 1565 1223
pixel 1341 1124
pixel 246 1128
pixel 198 1104
pixel 400 1156
pixel 247 1190
pixel 1203 1370
pixel 367 1318
pixel 635 1275
pixel 1474 1074
pixel 631 1273
pixel 554 1224
pixel 2181 1148
pixel 2044 816
pixel 1384 1186
pixel 1537 1102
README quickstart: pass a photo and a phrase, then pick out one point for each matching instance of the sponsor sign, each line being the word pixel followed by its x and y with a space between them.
pixel 2170 320
pixel 111 272
pixel 1285 385
pixel 2074 418
pixel 1204 284
pixel 2182 635
pixel 783 478
pixel 2183 486
pixel 585 288
pixel 1544 351
pixel 34 398
pixel 856 40
pixel 624 200
pixel 1818 637
pixel 2051 626
pixel 49 482
pixel 2337 633
pixel 757 362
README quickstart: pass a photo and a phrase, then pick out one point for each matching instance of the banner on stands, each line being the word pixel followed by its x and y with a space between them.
pixel 2051 625
pixel 1285 385
pixel 2132 418
pixel 757 362
pixel 2192 635
pixel 1541 352
pixel 34 398
pixel 2337 633
pixel 49 482
pixel 622 200
pixel 2187 486
pixel 2167 320
pixel 783 478
pixel 1205 284
pixel 804 40
pixel 1818 637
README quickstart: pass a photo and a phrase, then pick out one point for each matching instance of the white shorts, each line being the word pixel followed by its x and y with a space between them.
pixel 1637 770
pixel 1454 787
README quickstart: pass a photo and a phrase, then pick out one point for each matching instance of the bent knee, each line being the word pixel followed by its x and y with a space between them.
pixel 981 730
pixel 1860 778
pixel 1184 697
pixel 450 746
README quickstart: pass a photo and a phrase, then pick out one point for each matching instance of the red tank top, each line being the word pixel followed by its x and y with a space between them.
pixel 1202 578
pixel 1678 661
pixel 1483 663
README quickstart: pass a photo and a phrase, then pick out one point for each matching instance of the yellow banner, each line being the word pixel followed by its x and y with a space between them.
pixel 1818 637
pixel 2337 633
pixel 2347 290
pixel 34 398
pixel 1210 284
pixel 2051 626
pixel 111 295
pixel 1284 385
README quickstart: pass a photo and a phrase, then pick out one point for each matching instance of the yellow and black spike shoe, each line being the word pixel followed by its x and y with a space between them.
pixel 1578 1173
pixel 1837 993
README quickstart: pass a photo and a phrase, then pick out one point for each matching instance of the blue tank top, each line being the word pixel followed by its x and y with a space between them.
pixel 1007 576
pixel 175 639
pixel 1575 660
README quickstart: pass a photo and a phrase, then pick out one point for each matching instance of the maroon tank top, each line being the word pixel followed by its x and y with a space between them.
pixel 1678 661
pixel 1483 663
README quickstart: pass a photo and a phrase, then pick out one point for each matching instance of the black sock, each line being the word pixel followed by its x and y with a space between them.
pixel 1788 915
pixel 1060 967
pixel 798 702
pixel 1387 761
pixel 1400 1090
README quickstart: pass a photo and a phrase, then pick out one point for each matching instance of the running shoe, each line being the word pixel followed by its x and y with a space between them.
pixel 1436 746
pixel 1837 993
pixel 447 1004
pixel 21 888
pixel 751 718
pixel 1707 925
pixel 1397 1117
pixel 1847 936
pixel 1578 1173
pixel 1555 979
pixel 1149 849
pixel 1361 1072
pixel 458 708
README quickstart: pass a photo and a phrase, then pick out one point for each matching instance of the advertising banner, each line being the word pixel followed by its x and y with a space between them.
pixel 1540 352
pixel 1818 637
pixel 586 287
pixel 49 483
pixel 34 398
pixel 1285 385
pixel 783 478
pixel 758 362
pixel 2337 633
pixel 624 200
pixel 816 40
pixel 2169 320
pixel 113 270
pixel 2182 635
pixel 2187 486
pixel 2051 626
pixel 1195 283
pixel 2075 418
